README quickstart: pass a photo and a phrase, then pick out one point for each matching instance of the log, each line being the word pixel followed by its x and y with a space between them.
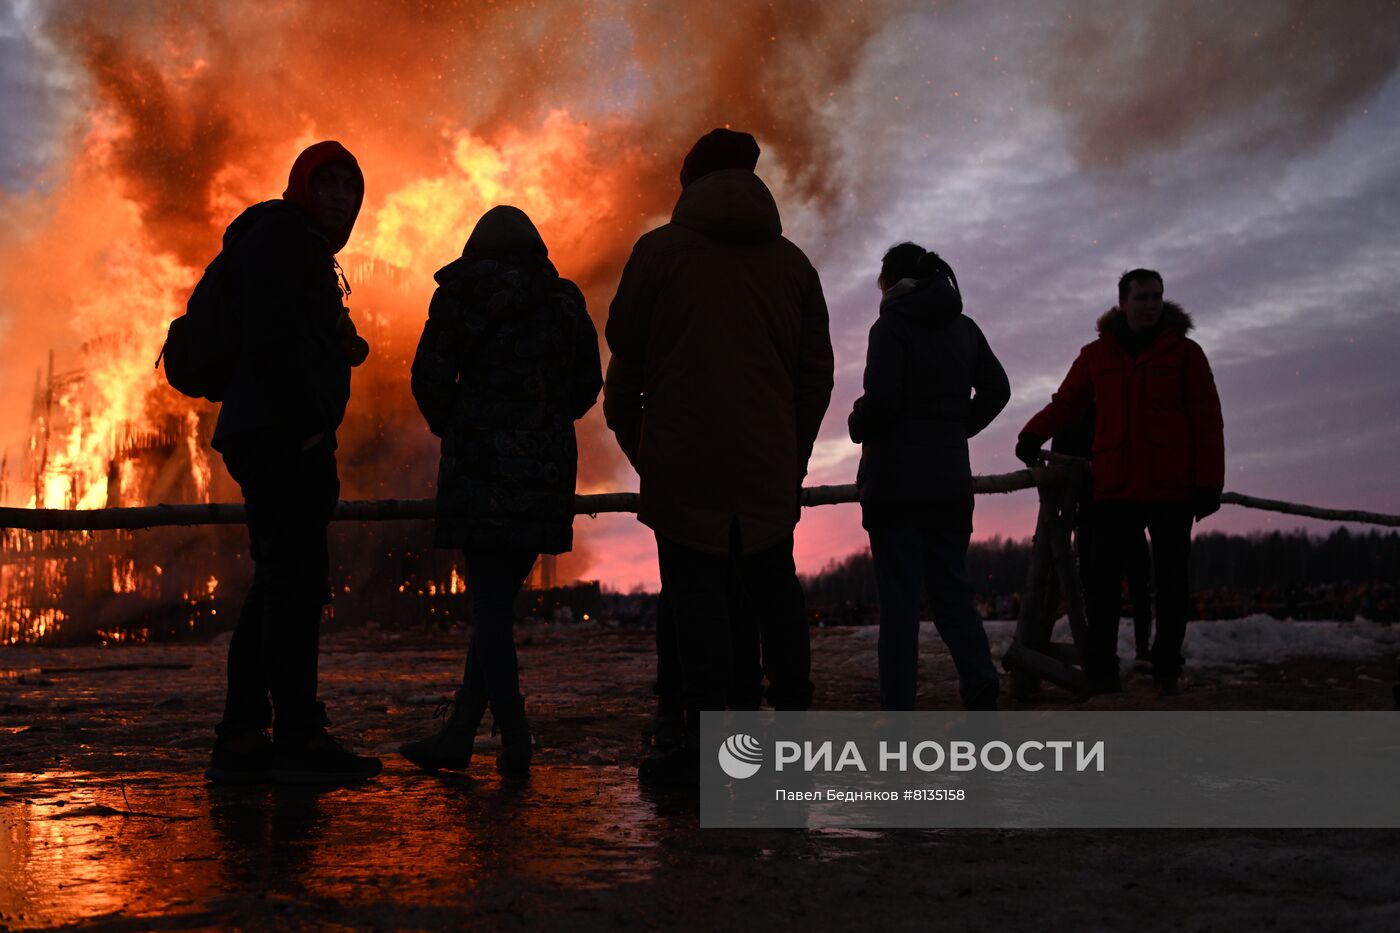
pixel 1062 651
pixel 388 510
pixel 1036 618
pixel 378 510
pixel 1024 661
pixel 1310 511
pixel 1255 502
pixel 1066 565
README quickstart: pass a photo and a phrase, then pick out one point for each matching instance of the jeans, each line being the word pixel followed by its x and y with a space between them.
pixel 934 559
pixel 721 609
pixel 289 494
pixel 494 579
pixel 1116 525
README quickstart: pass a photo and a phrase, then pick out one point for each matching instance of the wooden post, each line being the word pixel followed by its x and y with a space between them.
pixel 1066 567
pixel 1032 656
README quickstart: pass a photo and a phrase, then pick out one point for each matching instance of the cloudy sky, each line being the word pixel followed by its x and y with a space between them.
pixel 1246 150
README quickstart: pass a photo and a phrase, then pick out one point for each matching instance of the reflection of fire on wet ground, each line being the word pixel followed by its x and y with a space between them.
pixel 78 846
pixel 104 816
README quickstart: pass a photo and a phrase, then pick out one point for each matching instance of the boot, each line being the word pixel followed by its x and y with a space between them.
pixel 677 766
pixel 451 746
pixel 508 719
pixel 667 727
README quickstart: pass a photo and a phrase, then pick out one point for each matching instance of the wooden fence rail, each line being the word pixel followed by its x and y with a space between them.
pixel 1060 471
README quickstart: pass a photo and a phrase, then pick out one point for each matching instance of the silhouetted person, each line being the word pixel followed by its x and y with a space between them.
pixel 1078 441
pixel 508 361
pixel 1159 459
pixel 721 371
pixel 276 431
pixel 931 382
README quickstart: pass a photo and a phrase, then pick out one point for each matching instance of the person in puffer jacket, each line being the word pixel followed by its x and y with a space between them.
pixel 931 382
pixel 1159 461
pixel 508 361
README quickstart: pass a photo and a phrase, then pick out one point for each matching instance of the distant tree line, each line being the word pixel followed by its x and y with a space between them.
pixel 1284 574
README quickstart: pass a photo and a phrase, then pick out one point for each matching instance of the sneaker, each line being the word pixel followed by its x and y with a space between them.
pixel 1168 687
pixel 319 759
pixel 451 746
pixel 241 758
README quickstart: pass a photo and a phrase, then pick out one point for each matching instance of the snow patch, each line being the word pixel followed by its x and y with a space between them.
pixel 1256 639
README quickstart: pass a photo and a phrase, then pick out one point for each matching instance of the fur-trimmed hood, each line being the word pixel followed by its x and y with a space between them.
pixel 1174 317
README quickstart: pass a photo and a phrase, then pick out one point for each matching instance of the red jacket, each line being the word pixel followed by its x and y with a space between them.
pixel 1158 431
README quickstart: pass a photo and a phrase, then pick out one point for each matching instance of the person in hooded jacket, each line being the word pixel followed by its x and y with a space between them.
pixel 931 382
pixel 1159 461
pixel 721 372
pixel 276 431
pixel 507 362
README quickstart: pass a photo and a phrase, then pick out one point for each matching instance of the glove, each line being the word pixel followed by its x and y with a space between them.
pixel 1205 501
pixel 1028 449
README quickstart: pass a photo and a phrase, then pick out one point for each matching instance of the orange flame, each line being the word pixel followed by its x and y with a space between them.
pixel 581 120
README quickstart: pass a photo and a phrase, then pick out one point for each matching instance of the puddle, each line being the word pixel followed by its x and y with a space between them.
pixel 80 846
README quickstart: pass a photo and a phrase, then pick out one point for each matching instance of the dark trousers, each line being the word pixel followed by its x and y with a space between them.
pixel 910 559
pixel 745 689
pixel 1137 567
pixel 1115 526
pixel 289 494
pixel 494 579
pixel 717 602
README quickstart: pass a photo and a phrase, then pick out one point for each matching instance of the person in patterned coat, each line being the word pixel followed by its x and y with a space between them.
pixel 507 362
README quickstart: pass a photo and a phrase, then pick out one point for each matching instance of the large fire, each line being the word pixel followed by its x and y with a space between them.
pixel 579 116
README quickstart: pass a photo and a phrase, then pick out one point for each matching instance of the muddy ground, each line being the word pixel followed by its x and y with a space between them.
pixel 106 823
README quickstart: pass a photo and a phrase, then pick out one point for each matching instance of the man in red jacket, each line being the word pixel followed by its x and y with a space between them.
pixel 1159 460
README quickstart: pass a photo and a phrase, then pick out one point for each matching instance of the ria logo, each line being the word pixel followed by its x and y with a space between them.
pixel 741 756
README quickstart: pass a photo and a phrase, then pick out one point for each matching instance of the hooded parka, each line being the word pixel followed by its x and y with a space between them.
pixel 1158 429
pixel 721 367
pixel 507 362
pixel 292 378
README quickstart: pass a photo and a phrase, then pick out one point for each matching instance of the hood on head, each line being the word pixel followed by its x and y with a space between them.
pixel 503 235
pixel 1174 317
pixel 299 183
pixel 732 205
pixel 505 230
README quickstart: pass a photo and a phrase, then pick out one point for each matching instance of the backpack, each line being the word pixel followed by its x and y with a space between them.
pixel 202 346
